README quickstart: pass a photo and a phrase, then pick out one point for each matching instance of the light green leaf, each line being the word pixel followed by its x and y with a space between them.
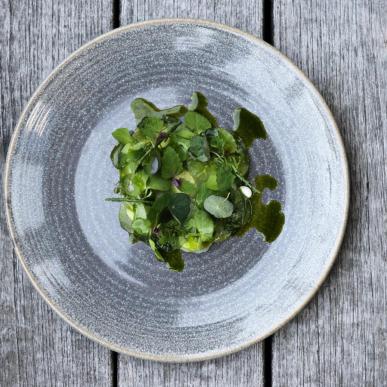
pixel 156 251
pixel 122 135
pixel 218 206
pixel 201 223
pixel 141 226
pixel 158 184
pixel 126 216
pixel 199 104
pixel 142 108
pixel 197 122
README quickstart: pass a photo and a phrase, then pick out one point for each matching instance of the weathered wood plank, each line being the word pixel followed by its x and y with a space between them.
pixel 246 367
pixel 341 337
pixel 36 347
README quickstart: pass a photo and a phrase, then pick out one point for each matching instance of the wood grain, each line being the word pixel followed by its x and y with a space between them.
pixel 36 347
pixel 246 367
pixel 340 339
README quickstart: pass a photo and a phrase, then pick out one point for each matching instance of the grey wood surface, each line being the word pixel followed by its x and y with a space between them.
pixel 340 339
pixel 36 347
pixel 246 367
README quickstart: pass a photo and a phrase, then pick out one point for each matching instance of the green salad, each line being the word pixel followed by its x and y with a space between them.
pixel 183 180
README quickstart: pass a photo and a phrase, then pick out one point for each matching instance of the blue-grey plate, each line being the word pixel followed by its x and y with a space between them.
pixel 68 238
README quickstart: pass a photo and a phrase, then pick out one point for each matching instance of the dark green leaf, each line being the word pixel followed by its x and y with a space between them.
pixel 218 206
pixel 196 122
pixel 224 177
pixel 248 126
pixel 199 148
pixel 156 251
pixel 180 206
pixel 115 155
pixel 199 104
pixel 159 205
pixel 151 127
pixel 170 163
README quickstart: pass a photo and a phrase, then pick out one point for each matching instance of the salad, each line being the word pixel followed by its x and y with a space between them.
pixel 183 180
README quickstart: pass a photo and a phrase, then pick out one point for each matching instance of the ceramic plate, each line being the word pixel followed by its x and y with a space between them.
pixel 68 238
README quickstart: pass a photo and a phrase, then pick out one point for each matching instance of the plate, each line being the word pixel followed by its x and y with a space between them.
pixel 67 236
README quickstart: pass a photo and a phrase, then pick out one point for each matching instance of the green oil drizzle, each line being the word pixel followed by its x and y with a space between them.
pixel 248 126
pixel 265 218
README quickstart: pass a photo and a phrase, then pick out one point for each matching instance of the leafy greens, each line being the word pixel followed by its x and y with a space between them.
pixel 183 179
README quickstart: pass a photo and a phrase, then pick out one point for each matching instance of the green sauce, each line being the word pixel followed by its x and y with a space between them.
pixel 248 126
pixel 265 218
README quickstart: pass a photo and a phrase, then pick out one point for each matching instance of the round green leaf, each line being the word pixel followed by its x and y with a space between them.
pixel 218 206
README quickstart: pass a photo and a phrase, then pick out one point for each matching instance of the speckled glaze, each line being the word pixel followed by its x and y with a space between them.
pixel 69 240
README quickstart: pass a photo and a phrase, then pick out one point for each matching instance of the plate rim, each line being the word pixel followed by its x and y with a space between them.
pixel 211 354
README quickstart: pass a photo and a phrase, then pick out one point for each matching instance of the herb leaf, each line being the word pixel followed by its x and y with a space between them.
pixel 122 135
pixel 199 104
pixel 170 163
pixel 142 108
pixel 224 177
pixel 218 206
pixel 151 127
pixel 197 122
pixel 180 206
pixel 199 148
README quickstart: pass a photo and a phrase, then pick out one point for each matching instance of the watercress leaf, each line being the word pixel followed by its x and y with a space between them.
pixel 123 136
pixel 197 169
pixel 218 206
pixel 228 141
pixel 142 108
pixel 187 187
pixel 248 126
pixel 212 181
pixel 199 148
pixel 201 223
pixel 170 163
pixel 141 226
pixel 202 194
pixel 180 206
pixel 196 122
pixel 155 250
pixel 151 127
pixel 199 104
pixel 157 183
pixel 224 177
pixel 126 216
pixel 115 155
pixel 184 132
pixel 151 163
pixel 159 205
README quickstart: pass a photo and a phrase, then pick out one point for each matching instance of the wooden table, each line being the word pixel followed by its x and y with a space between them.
pixel 340 338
